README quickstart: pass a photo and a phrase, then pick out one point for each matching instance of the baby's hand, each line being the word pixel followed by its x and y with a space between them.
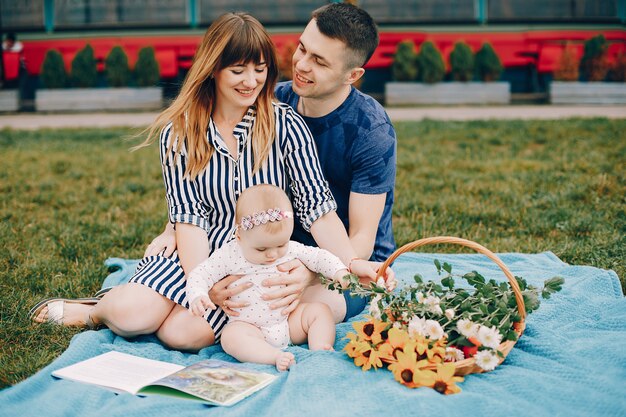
pixel 341 278
pixel 200 304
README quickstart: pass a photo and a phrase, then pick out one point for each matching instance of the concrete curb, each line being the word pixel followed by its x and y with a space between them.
pixel 546 112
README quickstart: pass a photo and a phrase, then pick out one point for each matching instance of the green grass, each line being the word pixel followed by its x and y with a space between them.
pixel 72 198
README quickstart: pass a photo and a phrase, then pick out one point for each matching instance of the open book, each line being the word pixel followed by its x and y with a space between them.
pixel 210 381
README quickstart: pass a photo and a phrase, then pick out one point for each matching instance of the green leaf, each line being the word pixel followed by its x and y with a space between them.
pixel 448 282
pixel 551 286
pixel 474 278
pixel 447 267
pixel 438 265
pixel 522 283
pixel 511 335
pixel 531 301
pixel 418 279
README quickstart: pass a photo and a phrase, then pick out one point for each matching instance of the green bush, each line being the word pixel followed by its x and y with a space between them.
pixel 116 69
pixel 53 73
pixel 488 65
pixel 84 72
pixel 462 62
pixel 404 67
pixel 594 65
pixel 147 68
pixel 432 69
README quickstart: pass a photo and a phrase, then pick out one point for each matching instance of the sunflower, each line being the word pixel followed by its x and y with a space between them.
pixel 355 346
pixel 444 380
pixel 367 357
pixel 372 330
pixel 407 370
pixel 396 340
pixel 437 352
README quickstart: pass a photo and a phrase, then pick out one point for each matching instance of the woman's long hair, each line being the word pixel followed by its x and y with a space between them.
pixel 232 39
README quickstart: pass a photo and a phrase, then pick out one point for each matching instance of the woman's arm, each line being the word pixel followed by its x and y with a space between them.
pixel 193 246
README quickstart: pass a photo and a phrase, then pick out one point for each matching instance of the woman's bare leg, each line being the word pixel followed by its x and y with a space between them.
pixel 245 342
pixel 128 310
pixel 181 330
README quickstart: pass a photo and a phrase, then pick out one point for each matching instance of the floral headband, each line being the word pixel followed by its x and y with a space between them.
pixel 257 219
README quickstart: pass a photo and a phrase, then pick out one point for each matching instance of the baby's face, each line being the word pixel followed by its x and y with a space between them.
pixel 263 248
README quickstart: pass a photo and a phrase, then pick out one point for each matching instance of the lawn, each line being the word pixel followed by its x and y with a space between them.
pixel 72 198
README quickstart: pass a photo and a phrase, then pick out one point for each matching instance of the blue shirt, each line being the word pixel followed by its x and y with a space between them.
pixel 356 144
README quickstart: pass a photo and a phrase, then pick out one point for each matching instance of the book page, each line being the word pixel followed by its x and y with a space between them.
pixel 118 371
pixel 215 381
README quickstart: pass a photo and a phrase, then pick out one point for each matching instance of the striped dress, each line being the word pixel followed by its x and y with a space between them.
pixel 208 201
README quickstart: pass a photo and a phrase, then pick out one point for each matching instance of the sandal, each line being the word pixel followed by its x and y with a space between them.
pixel 56 307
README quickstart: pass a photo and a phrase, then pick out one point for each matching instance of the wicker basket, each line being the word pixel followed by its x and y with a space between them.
pixel 468 366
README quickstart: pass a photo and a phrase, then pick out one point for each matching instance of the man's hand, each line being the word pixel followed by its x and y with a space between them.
pixel 220 294
pixel 165 242
pixel 295 280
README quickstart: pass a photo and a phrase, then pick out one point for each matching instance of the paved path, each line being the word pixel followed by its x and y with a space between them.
pixel 37 121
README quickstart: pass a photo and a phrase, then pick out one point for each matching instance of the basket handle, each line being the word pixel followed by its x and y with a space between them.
pixel 469 244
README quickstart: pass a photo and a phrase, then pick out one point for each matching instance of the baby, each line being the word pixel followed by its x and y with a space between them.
pixel 264 219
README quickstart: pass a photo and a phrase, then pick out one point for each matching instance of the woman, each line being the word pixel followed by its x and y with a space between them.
pixel 221 135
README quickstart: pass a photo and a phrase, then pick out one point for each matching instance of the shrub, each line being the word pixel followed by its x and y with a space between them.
pixel 432 69
pixel 594 65
pixel 53 73
pixel 404 67
pixel 488 65
pixel 116 68
pixel 618 71
pixel 285 61
pixel 462 62
pixel 567 69
pixel 84 72
pixel 147 68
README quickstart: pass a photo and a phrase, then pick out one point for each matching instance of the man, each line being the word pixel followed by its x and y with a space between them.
pixel 354 136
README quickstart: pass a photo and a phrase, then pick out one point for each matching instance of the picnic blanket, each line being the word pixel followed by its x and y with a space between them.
pixel 571 361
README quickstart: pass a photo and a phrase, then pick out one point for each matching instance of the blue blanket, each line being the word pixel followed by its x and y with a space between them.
pixel 571 361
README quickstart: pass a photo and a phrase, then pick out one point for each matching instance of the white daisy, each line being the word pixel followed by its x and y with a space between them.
pixel 374 310
pixel 432 303
pixel 433 330
pixel 420 297
pixel 486 359
pixel 454 355
pixel 467 328
pixel 489 337
pixel 417 326
pixel 450 313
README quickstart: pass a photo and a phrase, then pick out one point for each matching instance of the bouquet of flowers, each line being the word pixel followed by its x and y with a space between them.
pixel 425 331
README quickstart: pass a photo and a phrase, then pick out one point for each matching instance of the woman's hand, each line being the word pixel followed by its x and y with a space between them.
pixel 220 294
pixel 295 281
pixel 165 242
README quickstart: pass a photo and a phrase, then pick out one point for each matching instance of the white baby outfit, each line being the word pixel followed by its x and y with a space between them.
pixel 229 260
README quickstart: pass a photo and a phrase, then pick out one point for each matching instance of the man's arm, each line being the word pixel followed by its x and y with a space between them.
pixel 364 213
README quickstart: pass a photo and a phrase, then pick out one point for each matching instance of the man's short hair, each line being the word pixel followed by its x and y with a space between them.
pixel 351 25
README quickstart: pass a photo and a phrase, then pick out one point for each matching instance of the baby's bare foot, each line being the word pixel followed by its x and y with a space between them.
pixel 284 360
